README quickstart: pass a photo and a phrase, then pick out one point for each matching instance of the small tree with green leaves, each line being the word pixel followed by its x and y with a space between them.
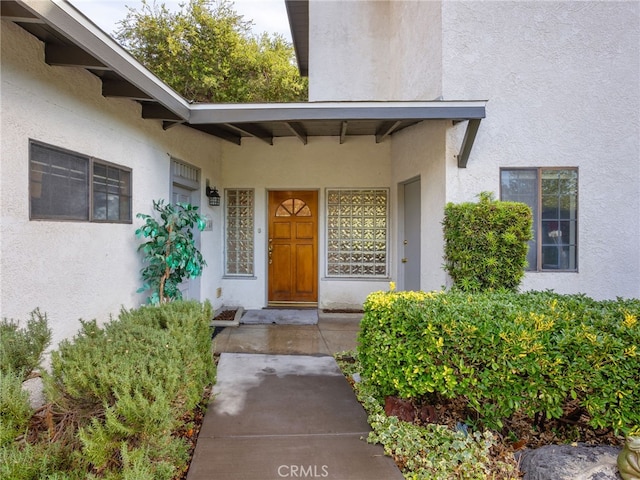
pixel 170 251
pixel 486 243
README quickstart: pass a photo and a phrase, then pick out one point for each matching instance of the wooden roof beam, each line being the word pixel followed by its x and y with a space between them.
pixel 343 132
pixel 298 130
pixel 386 129
pixel 253 131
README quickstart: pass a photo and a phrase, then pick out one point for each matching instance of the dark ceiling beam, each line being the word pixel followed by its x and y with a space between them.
pixel 467 142
pixel 218 132
pixel 386 129
pixel 298 130
pixel 158 112
pixel 343 131
pixel 71 56
pixel 253 131
pixel 167 125
pixel 122 88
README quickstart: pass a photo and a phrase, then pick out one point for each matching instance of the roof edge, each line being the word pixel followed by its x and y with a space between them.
pixel 285 112
pixel 73 24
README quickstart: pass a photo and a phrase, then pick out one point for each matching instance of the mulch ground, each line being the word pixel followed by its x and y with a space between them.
pixel 226 315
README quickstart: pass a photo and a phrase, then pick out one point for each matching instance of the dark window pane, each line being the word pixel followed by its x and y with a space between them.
pixel 59 186
pixel 111 193
pixel 522 186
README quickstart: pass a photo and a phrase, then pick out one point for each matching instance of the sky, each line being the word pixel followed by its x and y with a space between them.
pixel 267 15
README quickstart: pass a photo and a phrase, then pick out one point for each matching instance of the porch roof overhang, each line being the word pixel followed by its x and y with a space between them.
pixel 73 40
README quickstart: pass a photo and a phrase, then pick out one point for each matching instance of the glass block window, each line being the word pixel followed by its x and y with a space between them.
pixel 357 233
pixel 69 186
pixel 552 194
pixel 239 208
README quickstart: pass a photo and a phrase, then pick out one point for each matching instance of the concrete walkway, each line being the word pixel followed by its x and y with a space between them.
pixel 281 408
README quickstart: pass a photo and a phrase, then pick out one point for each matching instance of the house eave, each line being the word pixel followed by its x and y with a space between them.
pixel 71 24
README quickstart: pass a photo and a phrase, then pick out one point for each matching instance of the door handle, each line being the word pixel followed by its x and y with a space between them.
pixel 270 250
pixel 404 260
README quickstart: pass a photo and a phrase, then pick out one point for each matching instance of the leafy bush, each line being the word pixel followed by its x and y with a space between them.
pixel 117 394
pixel 431 452
pixel 486 243
pixel 507 352
pixel 21 348
pixel 170 251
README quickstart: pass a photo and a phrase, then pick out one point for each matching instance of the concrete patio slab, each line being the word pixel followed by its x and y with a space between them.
pixel 285 416
pixel 269 316
pixel 330 457
pixel 275 339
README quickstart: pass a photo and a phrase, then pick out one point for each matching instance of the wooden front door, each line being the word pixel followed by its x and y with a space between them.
pixel 293 248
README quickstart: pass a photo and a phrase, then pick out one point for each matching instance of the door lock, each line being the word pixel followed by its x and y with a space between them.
pixel 404 260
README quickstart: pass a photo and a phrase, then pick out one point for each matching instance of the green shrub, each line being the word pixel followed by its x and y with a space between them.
pixel 431 452
pixel 15 411
pixel 486 243
pixel 21 348
pixel 507 352
pixel 128 384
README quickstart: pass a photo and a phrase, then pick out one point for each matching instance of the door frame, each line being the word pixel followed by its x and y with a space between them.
pixel 402 231
pixel 280 304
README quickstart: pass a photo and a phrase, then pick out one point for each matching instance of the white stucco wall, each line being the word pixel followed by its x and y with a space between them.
pixel 73 270
pixel 562 80
pixel 323 163
pixel 563 84
pixel 367 49
pixel 419 151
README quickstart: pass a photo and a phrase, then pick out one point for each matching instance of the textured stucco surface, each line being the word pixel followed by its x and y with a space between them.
pixel 365 50
pixel 562 80
pixel 563 84
pixel 289 165
pixel 73 270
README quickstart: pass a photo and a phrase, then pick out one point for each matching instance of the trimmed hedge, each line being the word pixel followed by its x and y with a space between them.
pixel 486 243
pixel 507 352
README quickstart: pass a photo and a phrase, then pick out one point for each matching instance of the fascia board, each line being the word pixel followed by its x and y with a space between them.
pixel 283 112
pixel 72 24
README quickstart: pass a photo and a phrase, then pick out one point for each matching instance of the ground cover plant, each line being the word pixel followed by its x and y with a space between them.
pixel 120 399
pixel 429 451
pixel 533 368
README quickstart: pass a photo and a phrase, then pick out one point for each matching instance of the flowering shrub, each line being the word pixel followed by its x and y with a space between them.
pixel 507 352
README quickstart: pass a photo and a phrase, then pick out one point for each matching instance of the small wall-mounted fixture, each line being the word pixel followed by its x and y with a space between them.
pixel 214 196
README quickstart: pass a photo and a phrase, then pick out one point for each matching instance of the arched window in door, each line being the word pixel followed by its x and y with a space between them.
pixel 293 207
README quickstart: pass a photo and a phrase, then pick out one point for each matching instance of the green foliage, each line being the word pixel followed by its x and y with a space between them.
pixel 486 243
pixel 170 252
pixel 21 348
pixel 45 460
pixel 507 352
pixel 206 52
pixel 15 411
pixel 431 452
pixel 127 386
